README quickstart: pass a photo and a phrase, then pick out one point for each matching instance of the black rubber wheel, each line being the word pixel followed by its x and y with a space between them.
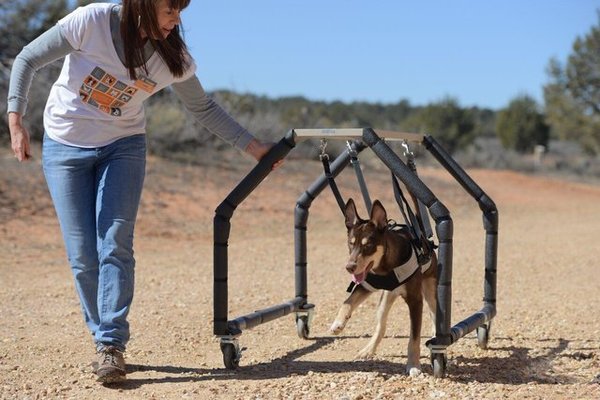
pixel 438 363
pixel 483 336
pixel 302 326
pixel 231 358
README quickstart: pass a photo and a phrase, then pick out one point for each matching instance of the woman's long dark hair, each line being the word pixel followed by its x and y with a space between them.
pixel 138 14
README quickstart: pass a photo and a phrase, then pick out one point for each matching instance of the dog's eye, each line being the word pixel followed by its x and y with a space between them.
pixel 352 240
pixel 368 244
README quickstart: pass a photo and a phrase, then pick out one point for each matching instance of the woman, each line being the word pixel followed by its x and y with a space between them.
pixel 94 149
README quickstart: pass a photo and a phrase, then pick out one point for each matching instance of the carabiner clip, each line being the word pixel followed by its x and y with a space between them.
pixel 322 147
pixel 407 151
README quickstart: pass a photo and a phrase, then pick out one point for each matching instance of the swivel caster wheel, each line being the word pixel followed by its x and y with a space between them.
pixel 302 327
pixel 439 362
pixel 304 321
pixel 483 335
pixel 231 354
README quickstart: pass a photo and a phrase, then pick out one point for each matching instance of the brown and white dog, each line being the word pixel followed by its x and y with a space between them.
pixel 377 252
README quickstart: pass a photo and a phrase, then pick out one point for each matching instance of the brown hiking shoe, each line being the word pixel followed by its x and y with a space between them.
pixel 111 365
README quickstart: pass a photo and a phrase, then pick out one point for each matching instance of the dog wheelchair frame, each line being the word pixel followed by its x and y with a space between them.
pixel 229 331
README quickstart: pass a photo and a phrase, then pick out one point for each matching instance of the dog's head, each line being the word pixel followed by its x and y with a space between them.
pixel 365 239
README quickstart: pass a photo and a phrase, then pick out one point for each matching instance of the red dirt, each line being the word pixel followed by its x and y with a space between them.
pixel 544 341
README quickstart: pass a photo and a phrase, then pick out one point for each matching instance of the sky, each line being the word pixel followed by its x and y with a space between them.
pixel 482 53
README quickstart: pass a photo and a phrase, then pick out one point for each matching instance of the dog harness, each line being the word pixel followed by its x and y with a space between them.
pixel 394 279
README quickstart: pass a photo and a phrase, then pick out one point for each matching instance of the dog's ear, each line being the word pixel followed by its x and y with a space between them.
pixel 350 214
pixel 379 215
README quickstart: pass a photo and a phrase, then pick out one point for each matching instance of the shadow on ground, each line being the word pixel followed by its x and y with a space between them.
pixel 520 367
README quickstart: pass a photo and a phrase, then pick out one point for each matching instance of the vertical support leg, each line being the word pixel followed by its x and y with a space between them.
pixel 222 227
pixel 300 220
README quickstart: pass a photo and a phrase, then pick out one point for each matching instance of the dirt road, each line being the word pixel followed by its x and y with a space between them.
pixel 544 342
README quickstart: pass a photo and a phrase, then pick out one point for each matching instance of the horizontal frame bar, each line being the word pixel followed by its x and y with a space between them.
pixel 265 315
pixel 355 133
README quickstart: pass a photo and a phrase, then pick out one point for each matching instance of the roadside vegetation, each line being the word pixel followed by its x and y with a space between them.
pixel 560 136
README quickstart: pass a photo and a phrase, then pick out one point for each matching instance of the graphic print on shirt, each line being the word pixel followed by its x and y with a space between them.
pixel 108 94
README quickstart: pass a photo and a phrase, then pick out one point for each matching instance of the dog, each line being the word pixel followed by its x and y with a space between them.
pixel 375 252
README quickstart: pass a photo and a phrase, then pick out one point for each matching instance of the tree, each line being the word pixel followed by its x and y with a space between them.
pixel 572 96
pixel 452 125
pixel 521 126
pixel 21 21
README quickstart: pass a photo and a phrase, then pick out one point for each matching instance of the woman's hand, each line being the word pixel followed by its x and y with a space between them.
pixel 19 137
pixel 258 150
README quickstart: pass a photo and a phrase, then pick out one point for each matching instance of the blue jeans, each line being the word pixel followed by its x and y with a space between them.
pixel 96 193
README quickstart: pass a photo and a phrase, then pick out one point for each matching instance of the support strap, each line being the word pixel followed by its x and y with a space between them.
pixel 411 219
pixel 357 170
pixel 359 176
pixel 327 170
pixel 422 216
pixel 420 243
pixel 419 225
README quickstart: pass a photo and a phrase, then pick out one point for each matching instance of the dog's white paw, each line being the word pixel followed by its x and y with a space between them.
pixel 337 327
pixel 414 372
pixel 365 354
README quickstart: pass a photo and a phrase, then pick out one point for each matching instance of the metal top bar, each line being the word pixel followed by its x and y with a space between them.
pixel 393 135
pixel 355 133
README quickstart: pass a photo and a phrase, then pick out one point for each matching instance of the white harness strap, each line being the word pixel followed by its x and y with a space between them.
pixel 405 271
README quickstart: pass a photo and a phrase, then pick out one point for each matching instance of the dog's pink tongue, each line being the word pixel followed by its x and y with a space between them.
pixel 358 278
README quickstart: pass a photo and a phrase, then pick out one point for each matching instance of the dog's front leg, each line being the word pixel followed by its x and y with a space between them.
pixel 429 290
pixel 430 296
pixel 358 295
pixel 383 310
pixel 415 307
